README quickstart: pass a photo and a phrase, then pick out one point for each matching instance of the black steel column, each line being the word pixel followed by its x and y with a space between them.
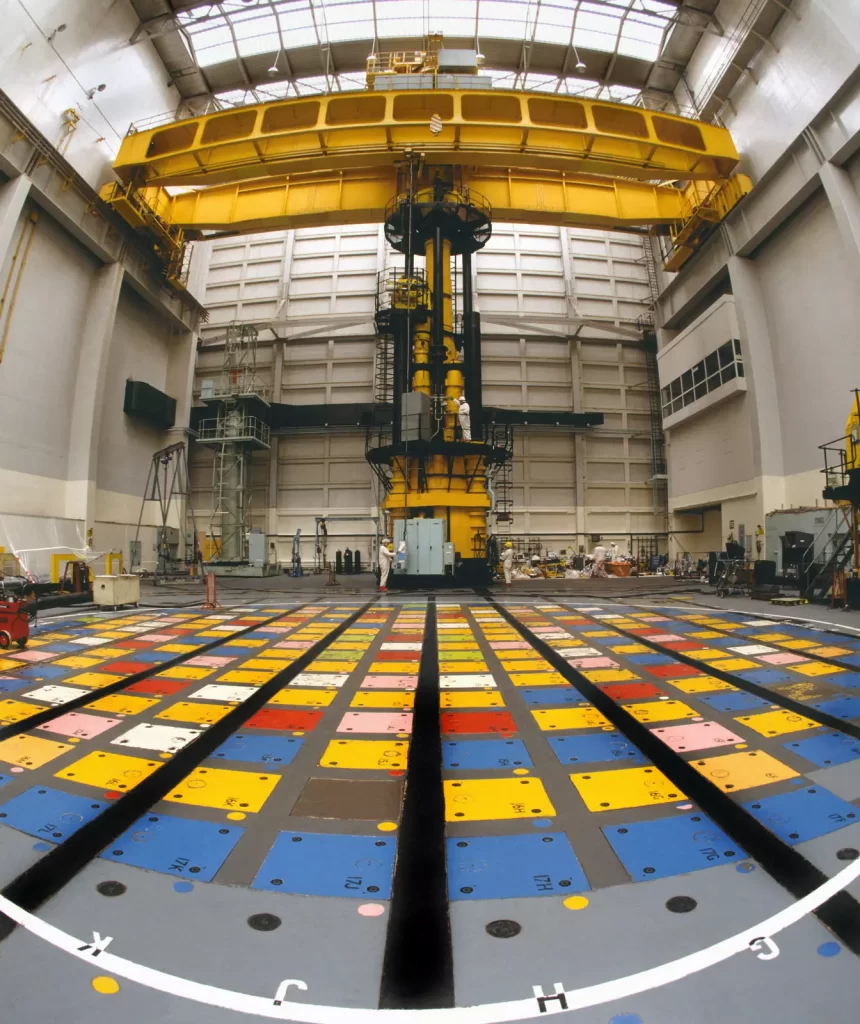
pixel 437 348
pixel 472 350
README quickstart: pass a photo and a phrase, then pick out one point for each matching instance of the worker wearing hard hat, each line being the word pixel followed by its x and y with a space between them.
pixel 508 562
pixel 386 557
pixel 464 414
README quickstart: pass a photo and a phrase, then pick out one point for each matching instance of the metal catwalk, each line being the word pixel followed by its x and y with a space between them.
pixel 430 809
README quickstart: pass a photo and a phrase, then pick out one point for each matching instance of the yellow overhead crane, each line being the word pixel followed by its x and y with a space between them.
pixel 452 160
pixel 335 159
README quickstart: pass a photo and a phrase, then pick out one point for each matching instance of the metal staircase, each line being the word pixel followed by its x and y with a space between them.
pixel 501 436
pixel 837 553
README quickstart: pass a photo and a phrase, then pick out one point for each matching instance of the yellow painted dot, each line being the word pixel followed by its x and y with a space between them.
pixel 165 755
pixel 298 734
pixel 73 739
pixel 107 986
pixel 403 735
pixel 236 816
pixel 387 826
pixel 740 746
pixel 521 771
pixel 576 902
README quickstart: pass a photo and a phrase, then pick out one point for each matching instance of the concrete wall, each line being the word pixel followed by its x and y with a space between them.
pixel 789 257
pixel 558 310
pixel 43 78
pixel 85 308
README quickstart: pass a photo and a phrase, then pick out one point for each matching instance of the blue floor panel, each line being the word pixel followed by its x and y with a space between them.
pixel 725 700
pixel 839 707
pixel 467 755
pixel 552 696
pixel 848 680
pixel 43 672
pixel 259 749
pixel 671 846
pixel 175 846
pixel 151 657
pixel 849 659
pixel 826 750
pixel 767 676
pixel 505 867
pixel 649 659
pixel 311 864
pixel 8 684
pixel 49 813
pixel 803 813
pixel 592 748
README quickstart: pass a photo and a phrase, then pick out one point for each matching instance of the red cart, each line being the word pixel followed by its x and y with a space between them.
pixel 14 623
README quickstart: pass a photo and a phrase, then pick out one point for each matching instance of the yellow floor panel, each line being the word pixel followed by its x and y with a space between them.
pixel 701 684
pixel 348 645
pixel 30 751
pixel 122 704
pixel 538 679
pixel 496 799
pixel 520 656
pixel 12 711
pixel 298 698
pixel 736 664
pixel 831 652
pixel 571 718
pixel 225 789
pixel 180 648
pixel 536 665
pixel 382 699
pixel 632 649
pixel 471 699
pixel 275 654
pixel 708 634
pixel 196 712
pixel 660 710
pixel 78 661
pixel 245 642
pixel 771 638
pixel 400 668
pixel 777 723
pixel 708 654
pixel 744 770
pixel 625 787
pixel 458 645
pixel 365 754
pixel 185 672
pixel 255 678
pixel 609 675
pixel 109 771
pixel 460 667
pixel 269 666
pixel 798 645
pixel 814 668
pixel 8 663
pixel 93 680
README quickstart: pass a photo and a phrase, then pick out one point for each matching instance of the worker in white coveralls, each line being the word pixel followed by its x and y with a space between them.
pixel 508 562
pixel 599 555
pixel 464 414
pixel 386 557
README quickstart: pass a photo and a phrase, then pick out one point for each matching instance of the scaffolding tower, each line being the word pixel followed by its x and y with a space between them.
pixel 240 400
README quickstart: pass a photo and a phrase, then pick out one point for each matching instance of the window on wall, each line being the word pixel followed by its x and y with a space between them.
pixel 716 369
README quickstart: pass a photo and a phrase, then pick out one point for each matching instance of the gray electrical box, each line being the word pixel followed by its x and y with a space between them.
pixel 425 546
pixel 448 554
pixel 415 416
pixel 458 62
pixel 258 553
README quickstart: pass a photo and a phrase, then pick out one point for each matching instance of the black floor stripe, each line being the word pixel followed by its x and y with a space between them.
pixel 47 876
pixel 785 864
pixel 418 967
pixel 710 668
pixel 49 714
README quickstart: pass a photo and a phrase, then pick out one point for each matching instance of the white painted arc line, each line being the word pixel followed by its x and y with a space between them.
pixel 490 1013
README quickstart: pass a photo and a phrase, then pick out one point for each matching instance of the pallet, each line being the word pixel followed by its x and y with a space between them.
pixel 788 600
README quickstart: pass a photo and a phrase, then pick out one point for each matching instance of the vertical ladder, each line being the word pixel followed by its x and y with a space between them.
pixel 645 323
pixel 503 483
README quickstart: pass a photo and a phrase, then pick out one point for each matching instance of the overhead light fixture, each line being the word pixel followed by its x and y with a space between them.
pixel 580 63
pixel 96 88
pixel 52 36
pixel 274 70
